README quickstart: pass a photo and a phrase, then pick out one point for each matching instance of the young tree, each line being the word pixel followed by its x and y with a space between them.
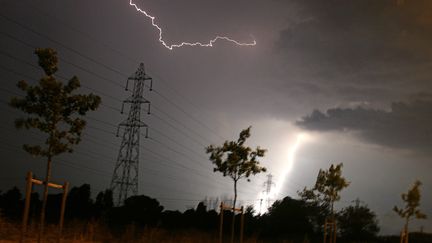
pixel 412 204
pixel 237 161
pixel 327 188
pixel 54 110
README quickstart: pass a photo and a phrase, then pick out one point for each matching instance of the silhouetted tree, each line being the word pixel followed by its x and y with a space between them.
pixel 251 221
pixel 104 203
pixel 288 218
pixel 412 204
pixel 200 215
pixel 203 219
pixel 54 205
pixel 141 210
pixel 11 204
pixel 358 223
pixel 172 219
pixel 237 161
pixel 54 110
pixel 79 202
pixel 328 185
pixel 324 194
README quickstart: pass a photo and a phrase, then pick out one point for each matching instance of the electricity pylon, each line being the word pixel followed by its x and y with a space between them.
pixel 124 181
pixel 268 185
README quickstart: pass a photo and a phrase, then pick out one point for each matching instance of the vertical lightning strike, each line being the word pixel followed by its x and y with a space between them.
pixel 172 46
pixel 291 159
pixel 284 173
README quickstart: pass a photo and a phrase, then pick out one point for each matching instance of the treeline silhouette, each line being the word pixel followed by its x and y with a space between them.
pixel 288 218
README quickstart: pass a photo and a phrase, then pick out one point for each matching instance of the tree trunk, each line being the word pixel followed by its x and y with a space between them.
pixel 234 206
pixel 406 230
pixel 332 208
pixel 44 199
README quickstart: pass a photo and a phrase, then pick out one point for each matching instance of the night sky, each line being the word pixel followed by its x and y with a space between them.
pixel 328 82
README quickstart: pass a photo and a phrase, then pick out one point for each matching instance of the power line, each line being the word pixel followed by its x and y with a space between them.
pixel 68 62
pixel 127 57
pixel 88 154
pixel 105 66
pixel 95 171
pixel 99 172
pixel 102 77
pixel 180 123
pixel 90 72
pixel 160 143
pixel 26 27
pixel 153 152
pixel 103 104
pixel 60 58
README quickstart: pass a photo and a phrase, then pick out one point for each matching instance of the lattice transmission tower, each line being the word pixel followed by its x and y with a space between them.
pixel 268 184
pixel 124 181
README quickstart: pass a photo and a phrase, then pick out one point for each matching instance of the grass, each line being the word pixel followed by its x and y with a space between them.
pixel 94 232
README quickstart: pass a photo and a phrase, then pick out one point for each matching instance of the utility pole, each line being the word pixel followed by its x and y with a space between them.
pixel 268 184
pixel 124 181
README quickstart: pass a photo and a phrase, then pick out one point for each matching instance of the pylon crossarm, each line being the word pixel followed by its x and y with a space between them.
pixel 136 123
pixel 136 100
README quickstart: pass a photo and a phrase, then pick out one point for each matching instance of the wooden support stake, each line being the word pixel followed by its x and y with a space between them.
pixel 222 209
pixel 221 222
pixel 325 231
pixel 29 183
pixel 330 231
pixel 334 231
pixel 241 224
pixel 26 205
pixel 63 207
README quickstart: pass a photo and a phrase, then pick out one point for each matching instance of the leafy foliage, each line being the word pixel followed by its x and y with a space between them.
pixel 327 187
pixel 235 160
pixel 358 223
pixel 53 108
pixel 288 218
pixel 412 204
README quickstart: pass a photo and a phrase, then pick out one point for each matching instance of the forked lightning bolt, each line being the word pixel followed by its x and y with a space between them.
pixel 172 46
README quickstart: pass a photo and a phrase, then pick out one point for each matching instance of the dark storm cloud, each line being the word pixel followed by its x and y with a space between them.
pixel 351 33
pixel 407 125
pixel 366 46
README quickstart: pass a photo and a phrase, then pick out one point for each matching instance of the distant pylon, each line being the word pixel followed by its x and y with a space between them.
pixel 124 181
pixel 268 185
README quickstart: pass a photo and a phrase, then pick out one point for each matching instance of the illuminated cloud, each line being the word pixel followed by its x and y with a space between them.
pixel 358 50
pixel 407 125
